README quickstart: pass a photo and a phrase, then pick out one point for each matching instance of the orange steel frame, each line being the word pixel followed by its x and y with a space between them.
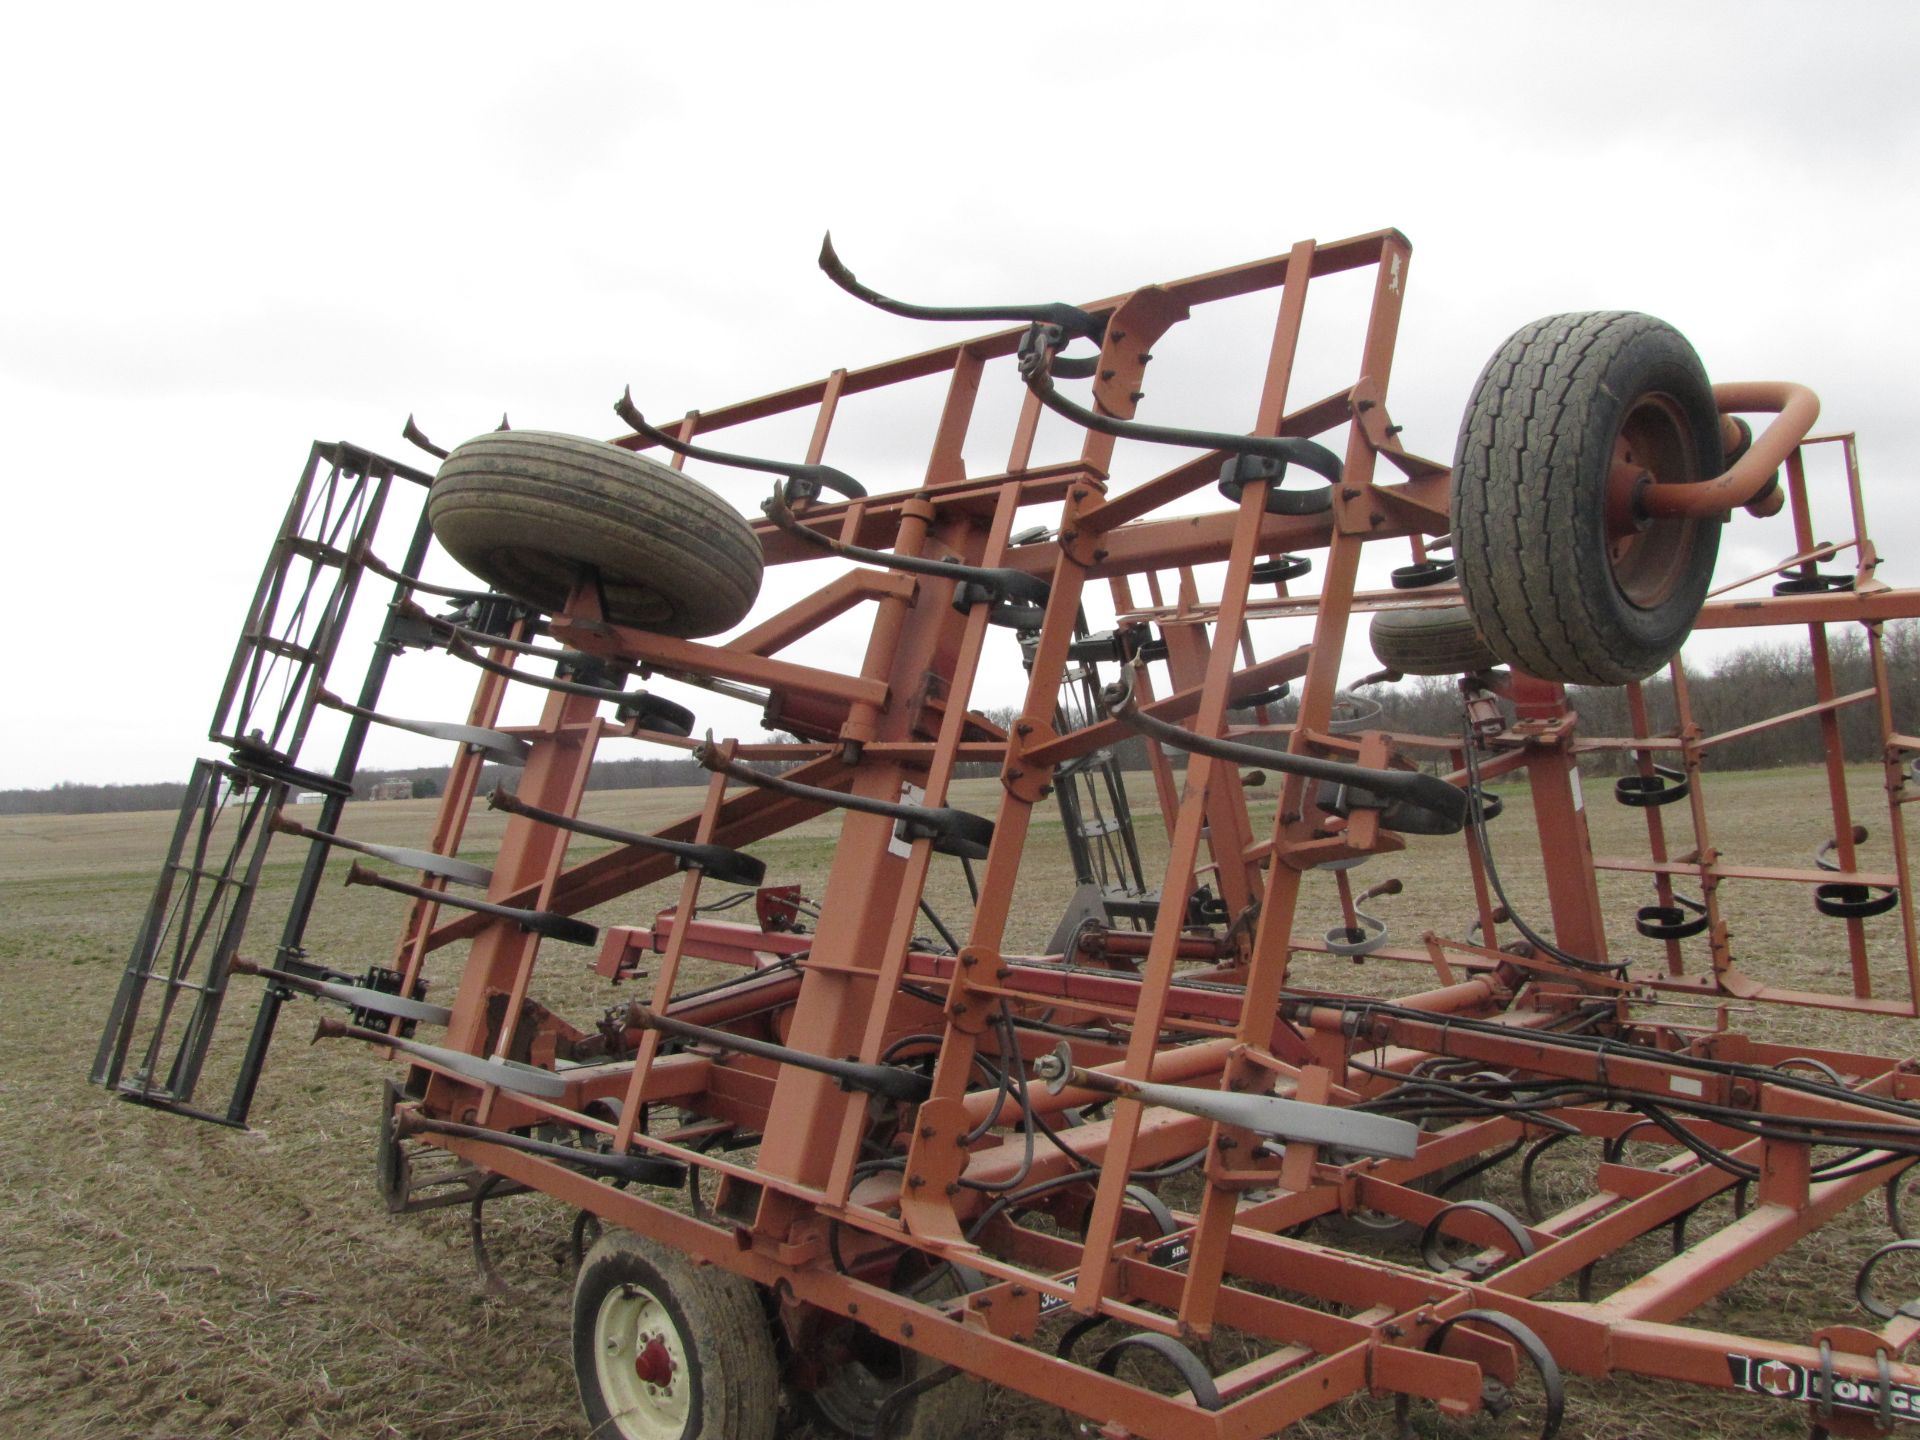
pixel 806 1218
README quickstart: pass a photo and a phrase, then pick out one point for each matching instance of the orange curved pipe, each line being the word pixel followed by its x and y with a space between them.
pixel 1795 408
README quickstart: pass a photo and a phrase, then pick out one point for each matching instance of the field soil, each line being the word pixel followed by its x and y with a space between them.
pixel 166 1279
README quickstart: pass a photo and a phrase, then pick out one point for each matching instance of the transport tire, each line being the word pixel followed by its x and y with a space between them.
pixel 665 1351
pixel 1429 642
pixel 1561 583
pixel 848 1402
pixel 532 513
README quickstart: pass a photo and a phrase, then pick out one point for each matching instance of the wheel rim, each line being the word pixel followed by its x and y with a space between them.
pixel 1649 557
pixel 640 1360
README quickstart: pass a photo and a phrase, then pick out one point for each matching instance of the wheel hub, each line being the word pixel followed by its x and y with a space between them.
pixel 641 1358
pixel 654 1364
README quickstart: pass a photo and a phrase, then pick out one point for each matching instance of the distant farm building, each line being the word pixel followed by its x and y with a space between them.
pixel 392 790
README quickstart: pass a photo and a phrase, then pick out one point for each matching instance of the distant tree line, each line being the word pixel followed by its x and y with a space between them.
pixel 1756 682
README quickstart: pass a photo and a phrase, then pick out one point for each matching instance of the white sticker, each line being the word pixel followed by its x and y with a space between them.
pixel 899 844
pixel 1686 1085
pixel 1579 795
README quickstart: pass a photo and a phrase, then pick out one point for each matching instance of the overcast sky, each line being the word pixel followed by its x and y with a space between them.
pixel 230 231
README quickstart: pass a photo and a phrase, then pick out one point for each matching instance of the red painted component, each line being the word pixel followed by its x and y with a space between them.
pixel 840 1198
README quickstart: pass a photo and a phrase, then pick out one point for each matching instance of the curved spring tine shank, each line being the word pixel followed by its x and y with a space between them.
pixel 413 433
pixel 808 480
pixel 731 867
pixel 1036 368
pixel 447 867
pixel 1424 793
pixel 541 922
pixel 402 1007
pixel 506 1074
pixel 1068 319
pixel 497 746
pixel 953 832
pixel 893 1081
pixel 650 712
pixel 645 1169
pixel 1003 587
pixel 1268 1115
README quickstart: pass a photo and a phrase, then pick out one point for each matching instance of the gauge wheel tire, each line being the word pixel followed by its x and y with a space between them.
pixel 534 513
pixel 1561 583
pixel 663 1351
pixel 1438 641
pixel 847 1403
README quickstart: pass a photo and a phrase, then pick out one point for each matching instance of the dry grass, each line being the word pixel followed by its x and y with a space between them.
pixel 164 1279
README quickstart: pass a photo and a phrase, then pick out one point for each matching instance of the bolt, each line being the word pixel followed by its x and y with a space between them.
pixel 1023 728
pixel 915 1182
pixel 1100 555
pixel 1108 374
pixel 927 1132
pixel 906 1329
pixel 1365 405
pixel 969 960
pixel 1003 972
pixel 953 1187
pixel 853 1307
pixel 1067 537
pixel 1145 356
pixel 1376 519
pixel 1347 492
pixel 1015 774
pixel 1137 396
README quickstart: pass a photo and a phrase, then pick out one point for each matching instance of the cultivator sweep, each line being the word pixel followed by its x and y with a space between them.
pixel 1203 1166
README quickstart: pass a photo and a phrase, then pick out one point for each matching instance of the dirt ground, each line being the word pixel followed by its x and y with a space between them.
pixel 164 1279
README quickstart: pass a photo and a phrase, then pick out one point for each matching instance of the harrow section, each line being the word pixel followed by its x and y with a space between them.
pixel 1198 1123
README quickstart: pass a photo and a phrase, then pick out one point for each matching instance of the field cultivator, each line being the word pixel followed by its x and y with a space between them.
pixel 1203 1167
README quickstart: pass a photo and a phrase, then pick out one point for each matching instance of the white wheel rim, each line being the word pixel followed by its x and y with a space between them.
pixel 640 1360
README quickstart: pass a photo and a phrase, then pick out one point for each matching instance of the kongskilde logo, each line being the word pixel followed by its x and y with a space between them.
pixel 1783 1380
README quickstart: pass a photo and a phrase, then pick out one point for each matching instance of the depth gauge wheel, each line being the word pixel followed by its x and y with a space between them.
pixel 663 1351
pixel 1568 422
pixel 1438 641
pixel 533 513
